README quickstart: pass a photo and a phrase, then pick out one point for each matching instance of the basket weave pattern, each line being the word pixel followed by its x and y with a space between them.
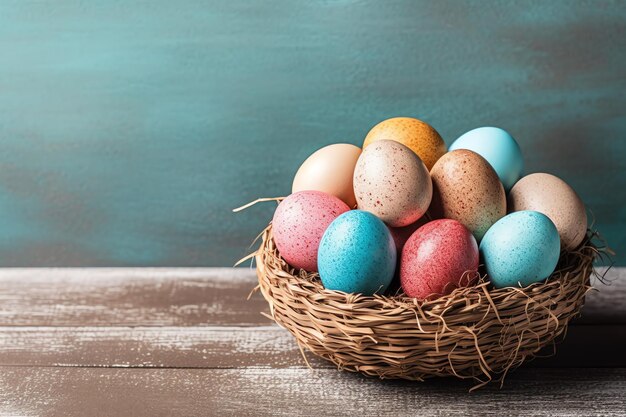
pixel 476 332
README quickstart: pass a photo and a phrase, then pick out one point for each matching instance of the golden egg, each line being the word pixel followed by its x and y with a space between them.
pixel 416 135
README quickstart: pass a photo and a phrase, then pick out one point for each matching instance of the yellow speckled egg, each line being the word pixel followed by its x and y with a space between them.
pixel 467 189
pixel 418 136
pixel 550 195
pixel 330 170
pixel 391 182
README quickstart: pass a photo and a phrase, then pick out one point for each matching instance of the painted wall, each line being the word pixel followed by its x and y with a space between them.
pixel 128 130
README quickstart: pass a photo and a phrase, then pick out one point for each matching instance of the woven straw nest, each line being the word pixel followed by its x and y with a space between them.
pixel 477 332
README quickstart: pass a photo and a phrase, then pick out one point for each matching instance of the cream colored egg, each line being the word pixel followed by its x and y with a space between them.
pixel 391 182
pixel 550 195
pixel 330 170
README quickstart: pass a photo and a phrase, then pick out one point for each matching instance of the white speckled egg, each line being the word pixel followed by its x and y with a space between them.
pixel 391 182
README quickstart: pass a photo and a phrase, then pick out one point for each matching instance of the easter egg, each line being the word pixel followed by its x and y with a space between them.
pixel 391 182
pixel 299 223
pixel 550 195
pixel 439 257
pixel 357 254
pixel 467 189
pixel 499 148
pixel 402 234
pixel 520 249
pixel 418 136
pixel 329 169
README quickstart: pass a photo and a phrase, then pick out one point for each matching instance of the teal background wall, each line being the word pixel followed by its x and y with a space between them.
pixel 128 130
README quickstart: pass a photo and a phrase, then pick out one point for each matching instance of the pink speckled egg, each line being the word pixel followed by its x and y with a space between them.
pixel 391 182
pixel 436 258
pixel 299 223
pixel 402 234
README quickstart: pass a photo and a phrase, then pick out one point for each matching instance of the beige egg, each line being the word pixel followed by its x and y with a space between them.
pixel 330 170
pixel 467 189
pixel 391 182
pixel 550 195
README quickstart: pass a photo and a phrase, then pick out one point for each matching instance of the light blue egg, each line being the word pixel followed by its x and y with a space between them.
pixel 357 254
pixel 520 249
pixel 499 148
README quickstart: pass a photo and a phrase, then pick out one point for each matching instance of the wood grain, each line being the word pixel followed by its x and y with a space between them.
pixel 181 297
pixel 240 347
pixel 129 297
pixel 29 391
pixel 183 347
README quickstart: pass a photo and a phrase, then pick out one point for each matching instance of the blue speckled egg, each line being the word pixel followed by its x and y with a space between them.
pixel 520 249
pixel 499 148
pixel 357 254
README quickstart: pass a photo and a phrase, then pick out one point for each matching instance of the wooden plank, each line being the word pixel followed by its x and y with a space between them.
pixel 129 297
pixel 236 347
pixel 180 297
pixel 295 391
pixel 187 347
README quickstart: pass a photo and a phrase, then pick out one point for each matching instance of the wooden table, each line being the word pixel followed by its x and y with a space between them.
pixel 161 342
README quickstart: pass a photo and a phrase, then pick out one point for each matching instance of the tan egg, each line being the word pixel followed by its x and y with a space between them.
pixel 330 170
pixel 467 189
pixel 550 195
pixel 391 182
pixel 418 136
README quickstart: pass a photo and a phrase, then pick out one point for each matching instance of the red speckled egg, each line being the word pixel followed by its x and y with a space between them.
pixel 299 223
pixel 435 258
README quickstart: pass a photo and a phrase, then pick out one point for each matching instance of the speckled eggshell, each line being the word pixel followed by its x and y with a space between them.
pixel 418 136
pixel 402 234
pixel 391 182
pixel 467 189
pixel 436 258
pixel 357 254
pixel 331 170
pixel 299 222
pixel 550 195
pixel 520 249
pixel 499 148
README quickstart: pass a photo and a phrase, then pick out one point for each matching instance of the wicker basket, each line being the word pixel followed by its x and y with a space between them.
pixel 477 332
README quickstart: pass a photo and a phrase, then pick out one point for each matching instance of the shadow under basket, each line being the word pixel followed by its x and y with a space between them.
pixel 477 332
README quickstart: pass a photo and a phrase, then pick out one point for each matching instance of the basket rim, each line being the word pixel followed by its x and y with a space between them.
pixel 585 255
